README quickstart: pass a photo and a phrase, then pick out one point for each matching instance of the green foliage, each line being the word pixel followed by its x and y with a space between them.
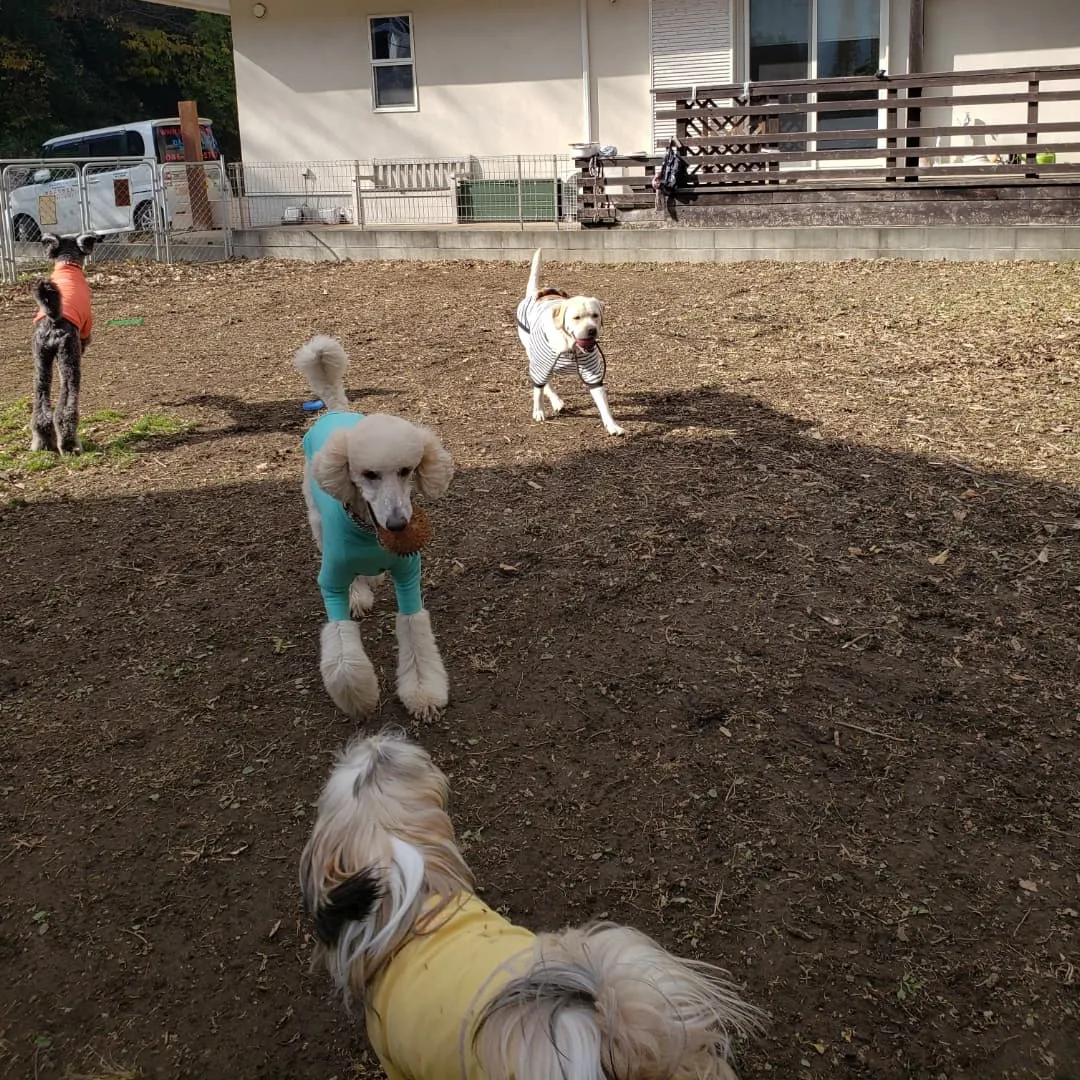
pixel 67 65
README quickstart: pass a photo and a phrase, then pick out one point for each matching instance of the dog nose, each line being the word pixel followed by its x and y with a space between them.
pixel 397 522
pixel 591 332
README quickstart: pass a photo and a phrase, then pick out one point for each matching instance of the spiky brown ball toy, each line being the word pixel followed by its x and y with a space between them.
pixel 411 539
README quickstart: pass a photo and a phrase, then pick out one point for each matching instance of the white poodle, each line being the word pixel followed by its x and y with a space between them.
pixel 358 479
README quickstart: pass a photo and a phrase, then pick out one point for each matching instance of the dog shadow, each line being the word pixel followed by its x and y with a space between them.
pixel 245 417
pixel 703 410
pixel 698 412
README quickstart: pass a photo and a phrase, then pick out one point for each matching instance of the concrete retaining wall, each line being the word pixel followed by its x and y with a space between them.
pixel 810 244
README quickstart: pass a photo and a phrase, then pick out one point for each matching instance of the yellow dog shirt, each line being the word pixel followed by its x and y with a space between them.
pixel 423 1007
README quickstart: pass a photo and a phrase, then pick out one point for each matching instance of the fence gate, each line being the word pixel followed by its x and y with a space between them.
pixel 39 197
pixel 195 212
pixel 120 202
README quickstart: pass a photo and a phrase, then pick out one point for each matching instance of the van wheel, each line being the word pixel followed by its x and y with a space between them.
pixel 143 218
pixel 26 229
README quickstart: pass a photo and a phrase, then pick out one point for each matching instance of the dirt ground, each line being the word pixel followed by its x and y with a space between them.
pixel 787 678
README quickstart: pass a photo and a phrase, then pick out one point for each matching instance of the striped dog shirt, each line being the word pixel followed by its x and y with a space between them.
pixel 544 361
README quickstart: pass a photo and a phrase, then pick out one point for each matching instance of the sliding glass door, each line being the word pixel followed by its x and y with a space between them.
pixel 817 39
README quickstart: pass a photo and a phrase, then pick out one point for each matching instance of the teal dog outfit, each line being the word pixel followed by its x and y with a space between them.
pixel 351 548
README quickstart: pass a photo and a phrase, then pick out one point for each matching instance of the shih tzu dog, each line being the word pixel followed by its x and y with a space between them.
pixel 451 989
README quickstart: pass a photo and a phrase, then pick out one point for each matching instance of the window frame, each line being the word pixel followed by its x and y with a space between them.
pixel 396 62
pixel 743 35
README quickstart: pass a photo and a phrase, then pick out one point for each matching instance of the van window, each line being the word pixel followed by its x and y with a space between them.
pixel 113 145
pixel 135 145
pixel 67 150
pixel 170 143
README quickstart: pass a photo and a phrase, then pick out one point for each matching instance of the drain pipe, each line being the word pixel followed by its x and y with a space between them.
pixel 586 74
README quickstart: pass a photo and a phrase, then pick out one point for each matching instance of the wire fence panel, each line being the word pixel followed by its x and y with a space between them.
pixel 195 210
pixel 521 189
pixel 294 193
pixel 121 201
pixel 187 211
pixel 41 197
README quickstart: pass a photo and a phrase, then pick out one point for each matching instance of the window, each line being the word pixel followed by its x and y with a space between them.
pixel 108 146
pixel 170 143
pixel 67 150
pixel 393 81
pixel 817 39
pixel 135 146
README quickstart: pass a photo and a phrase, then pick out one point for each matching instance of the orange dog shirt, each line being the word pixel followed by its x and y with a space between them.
pixel 74 298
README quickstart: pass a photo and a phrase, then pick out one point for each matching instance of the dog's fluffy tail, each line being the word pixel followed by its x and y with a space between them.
pixel 534 273
pixel 608 1001
pixel 323 363
pixel 47 295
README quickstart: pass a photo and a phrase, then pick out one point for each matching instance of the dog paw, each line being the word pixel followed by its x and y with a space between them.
pixel 361 598
pixel 616 430
pixel 422 683
pixel 538 415
pixel 37 442
pixel 557 405
pixel 421 704
pixel 347 673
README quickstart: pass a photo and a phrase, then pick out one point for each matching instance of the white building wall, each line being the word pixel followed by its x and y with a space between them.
pixel 494 77
pixel 503 77
pixel 971 35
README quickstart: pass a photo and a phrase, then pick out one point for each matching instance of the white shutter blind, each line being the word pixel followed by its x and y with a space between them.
pixel 692 45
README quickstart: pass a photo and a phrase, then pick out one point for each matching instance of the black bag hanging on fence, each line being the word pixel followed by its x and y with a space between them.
pixel 672 174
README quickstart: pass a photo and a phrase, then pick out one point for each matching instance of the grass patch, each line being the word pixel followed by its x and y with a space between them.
pixel 107 436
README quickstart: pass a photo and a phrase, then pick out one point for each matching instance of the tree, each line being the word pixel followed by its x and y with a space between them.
pixel 67 65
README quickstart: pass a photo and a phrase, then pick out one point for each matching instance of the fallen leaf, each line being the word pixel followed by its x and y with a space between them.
pixel 940 559
pixel 1043 556
pixel 507 568
pixel 1028 886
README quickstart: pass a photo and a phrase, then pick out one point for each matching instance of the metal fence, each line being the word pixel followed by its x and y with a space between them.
pixel 178 212
pixel 518 189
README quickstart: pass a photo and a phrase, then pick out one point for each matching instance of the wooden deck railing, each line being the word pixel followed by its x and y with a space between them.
pixel 867 130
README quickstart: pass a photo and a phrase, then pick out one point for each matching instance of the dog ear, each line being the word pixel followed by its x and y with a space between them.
pixel 436 468
pixel 558 316
pixel 86 242
pixel 51 245
pixel 330 467
pixel 600 305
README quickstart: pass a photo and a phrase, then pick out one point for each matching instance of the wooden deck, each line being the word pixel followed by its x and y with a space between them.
pixel 856 151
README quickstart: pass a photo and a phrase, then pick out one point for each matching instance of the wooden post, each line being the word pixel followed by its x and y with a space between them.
pixel 890 141
pixel 916 36
pixel 916 44
pixel 1032 137
pixel 198 200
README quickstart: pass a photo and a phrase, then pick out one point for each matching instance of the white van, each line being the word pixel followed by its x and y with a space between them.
pixel 120 196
